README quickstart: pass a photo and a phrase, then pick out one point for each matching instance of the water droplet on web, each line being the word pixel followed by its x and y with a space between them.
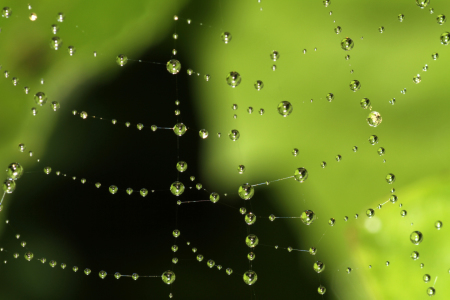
pixel 403 213
pixel 246 191
pixel 381 29
pixel 401 17
pixel 113 189
pixel 226 37
pixel 326 3
pixel 274 67
pixel 355 85
pixel 241 169
pixel 347 44
pixel 210 263
pixel 300 174
pixel 233 79
pixel 355 148
pixel 319 266
pixel 274 55
pixel 71 50
pixel 417 79
pixel 259 85
pixel 347 57
pixel 370 212
pixel 330 97
pixel 393 198
pixel 40 98
pixel 198 186
pixel 250 218
pixel 295 152
pixel 251 241
pixel 373 139
pixel 214 197
pixel 337 29
pixel 55 105
pixel 168 277
pixel 190 71
pixel 179 129
pixel 83 115
pixel 6 12
pixel 416 237
pixel 55 43
pixel 374 119
pixel 177 188
pixel 438 225
pixel 422 3
pixel 143 192
pixel 203 133
pixel 323 164
pixel 331 221
pixel 415 255
pixel 285 108
pixel 435 56
pixel 445 38
pixel 308 217
pixel 234 135
pixel 338 158
pixel 250 277
pixel 390 178
pixel 173 66
pixel 321 290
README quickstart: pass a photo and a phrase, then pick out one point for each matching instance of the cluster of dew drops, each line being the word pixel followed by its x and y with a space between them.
pixel 246 191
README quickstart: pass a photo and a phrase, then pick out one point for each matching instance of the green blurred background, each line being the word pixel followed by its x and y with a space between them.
pixel 81 225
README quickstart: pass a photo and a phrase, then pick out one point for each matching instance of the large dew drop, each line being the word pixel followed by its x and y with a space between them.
pixel 319 266
pixel 307 217
pixel 226 37
pixel 14 171
pixel 250 277
pixel 246 191
pixel 173 66
pixel 168 277
pixel 422 3
pixel 416 237
pixel 347 44
pixel 285 108
pixel 445 38
pixel 233 79
pixel 251 240
pixel 301 174
pixel 355 85
pixel 121 60
pixel 179 129
pixel 234 135
pixel 374 119
pixel 177 188
pixel 40 98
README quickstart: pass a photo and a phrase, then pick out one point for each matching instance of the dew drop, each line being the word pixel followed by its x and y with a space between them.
pixel 233 79
pixel 308 217
pixel 246 191
pixel 374 119
pixel 173 66
pixel 416 237
pixel 355 85
pixel 226 37
pixel 285 108
pixel 347 44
